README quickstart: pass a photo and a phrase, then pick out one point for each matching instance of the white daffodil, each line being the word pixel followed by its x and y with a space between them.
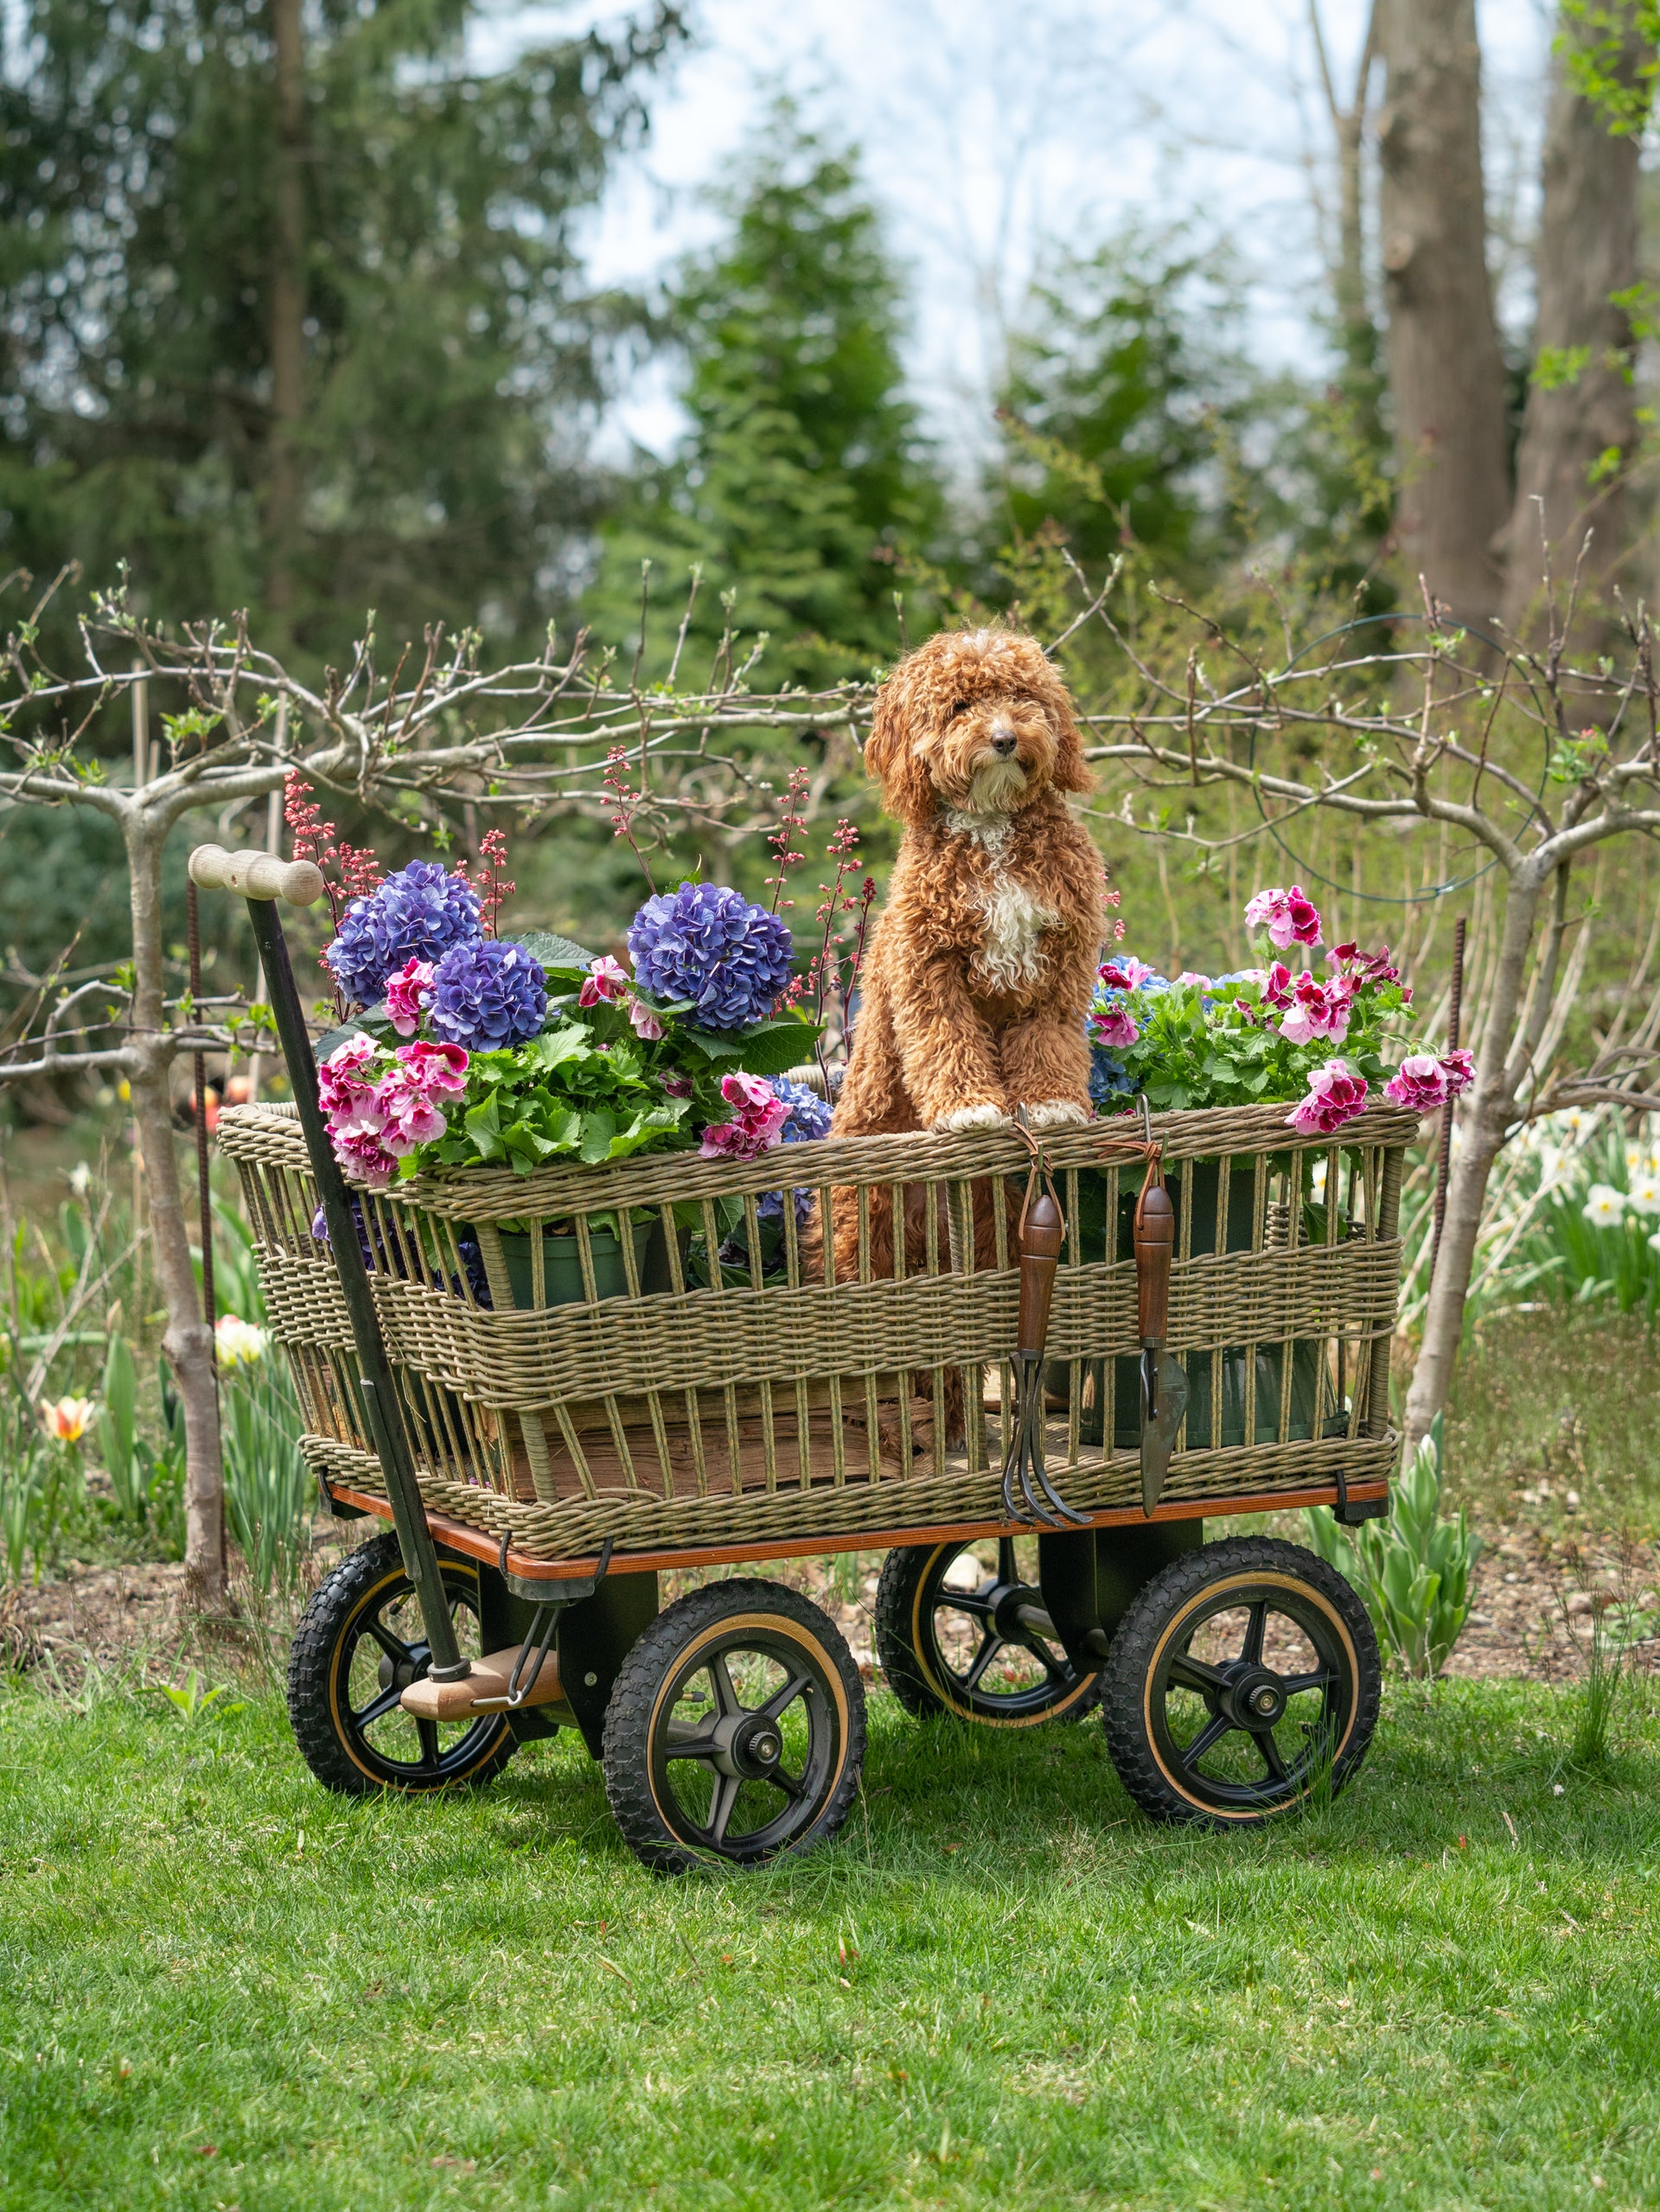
pixel 240 1342
pixel 1654 1241
pixel 1643 1196
pixel 1605 1206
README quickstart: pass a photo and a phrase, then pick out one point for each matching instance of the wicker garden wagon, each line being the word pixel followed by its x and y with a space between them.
pixel 558 1386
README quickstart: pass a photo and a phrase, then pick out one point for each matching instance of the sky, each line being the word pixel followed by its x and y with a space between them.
pixel 997 137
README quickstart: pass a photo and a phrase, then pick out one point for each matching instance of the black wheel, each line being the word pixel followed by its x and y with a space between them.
pixel 1242 1673
pixel 961 1629
pixel 735 1730
pixel 359 1645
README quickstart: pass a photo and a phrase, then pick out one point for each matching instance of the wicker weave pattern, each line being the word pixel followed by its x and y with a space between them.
pixel 750 1402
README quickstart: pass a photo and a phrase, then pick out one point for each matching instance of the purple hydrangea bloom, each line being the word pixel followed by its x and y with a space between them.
pixel 416 914
pixel 809 1118
pixel 711 946
pixel 488 996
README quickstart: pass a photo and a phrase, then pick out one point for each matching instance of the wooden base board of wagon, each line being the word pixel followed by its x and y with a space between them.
pixel 456 1536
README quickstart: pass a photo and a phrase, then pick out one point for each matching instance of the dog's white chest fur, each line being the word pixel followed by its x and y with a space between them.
pixel 1015 921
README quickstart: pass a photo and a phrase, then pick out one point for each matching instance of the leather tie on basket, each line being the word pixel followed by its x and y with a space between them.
pixel 1041 1232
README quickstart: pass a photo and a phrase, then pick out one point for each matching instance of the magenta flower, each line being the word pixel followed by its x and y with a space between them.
pixel 341 1083
pixel 364 1157
pixel 1317 1010
pixel 1362 967
pixel 1114 1028
pixel 1336 1094
pixel 646 1024
pixel 606 979
pixel 1459 1068
pixel 1290 916
pixel 1192 975
pixel 755 1128
pixel 1127 974
pixel 434 1067
pixel 1423 1082
pixel 406 993
pixel 1276 986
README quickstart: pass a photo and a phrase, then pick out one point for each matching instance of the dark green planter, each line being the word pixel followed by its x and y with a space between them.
pixel 562 1265
pixel 1127 1386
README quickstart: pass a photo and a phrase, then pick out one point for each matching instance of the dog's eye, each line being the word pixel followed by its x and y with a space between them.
pixel 958 706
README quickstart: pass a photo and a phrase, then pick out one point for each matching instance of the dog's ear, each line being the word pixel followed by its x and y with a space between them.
pixel 891 749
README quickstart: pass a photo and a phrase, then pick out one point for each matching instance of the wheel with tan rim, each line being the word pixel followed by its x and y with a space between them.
pixel 961 1628
pixel 735 1730
pixel 359 1645
pixel 1244 1677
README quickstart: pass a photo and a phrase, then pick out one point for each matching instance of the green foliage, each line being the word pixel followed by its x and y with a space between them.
pixel 804 467
pixel 449 346
pixel 1119 395
pixel 270 1491
pixel 561 1095
pixel 192 1701
pixel 1610 50
pixel 1414 1570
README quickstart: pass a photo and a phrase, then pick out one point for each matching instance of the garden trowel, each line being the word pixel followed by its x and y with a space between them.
pixel 1163 1384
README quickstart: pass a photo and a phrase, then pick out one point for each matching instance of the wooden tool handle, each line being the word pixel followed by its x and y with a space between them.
pixel 256 875
pixel 1155 1240
pixel 1042 1232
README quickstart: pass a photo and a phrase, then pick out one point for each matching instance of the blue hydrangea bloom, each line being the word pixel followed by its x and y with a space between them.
pixel 710 944
pixel 809 1118
pixel 488 996
pixel 416 915
pixel 1108 1079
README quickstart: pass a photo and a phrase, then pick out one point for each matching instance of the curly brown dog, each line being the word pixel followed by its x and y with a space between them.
pixel 983 964
pixel 984 961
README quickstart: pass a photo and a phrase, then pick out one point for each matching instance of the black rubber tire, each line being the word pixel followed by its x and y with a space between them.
pixel 1154 1635
pixel 907 1646
pixel 671 1653
pixel 319 1671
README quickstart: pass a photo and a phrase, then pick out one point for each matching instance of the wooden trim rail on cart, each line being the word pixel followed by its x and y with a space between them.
pixel 469 1541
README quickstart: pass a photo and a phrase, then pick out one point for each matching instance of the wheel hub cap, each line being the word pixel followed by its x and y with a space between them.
pixel 1256 1699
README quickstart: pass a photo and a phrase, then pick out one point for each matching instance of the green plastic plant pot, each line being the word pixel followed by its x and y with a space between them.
pixel 562 1265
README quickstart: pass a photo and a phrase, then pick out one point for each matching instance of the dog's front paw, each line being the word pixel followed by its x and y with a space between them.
pixel 987 1115
pixel 1056 1113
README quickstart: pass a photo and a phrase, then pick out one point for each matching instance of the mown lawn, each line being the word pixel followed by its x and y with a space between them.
pixel 219 1988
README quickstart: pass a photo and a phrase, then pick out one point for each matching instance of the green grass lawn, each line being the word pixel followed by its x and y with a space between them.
pixel 221 1987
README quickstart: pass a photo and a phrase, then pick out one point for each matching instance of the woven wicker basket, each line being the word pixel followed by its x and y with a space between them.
pixel 706 1385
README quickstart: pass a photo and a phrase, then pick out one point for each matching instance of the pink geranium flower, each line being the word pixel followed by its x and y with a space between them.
pixel 1317 1010
pixel 364 1157
pixel 646 1024
pixel 1113 1029
pixel 1423 1082
pixel 406 993
pixel 1289 916
pixel 1127 974
pixel 1459 1068
pixel 433 1066
pixel 1336 1094
pixel 756 1125
pixel 607 980
pixel 341 1084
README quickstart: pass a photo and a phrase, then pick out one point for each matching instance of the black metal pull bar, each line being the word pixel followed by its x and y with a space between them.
pixel 212 868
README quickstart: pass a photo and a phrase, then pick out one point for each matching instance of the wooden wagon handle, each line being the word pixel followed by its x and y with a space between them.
pixel 1041 1232
pixel 1154 1239
pixel 256 875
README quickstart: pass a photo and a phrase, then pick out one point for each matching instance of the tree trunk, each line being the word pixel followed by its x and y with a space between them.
pixel 286 336
pixel 1446 375
pixel 1481 1133
pixel 187 1342
pixel 1579 431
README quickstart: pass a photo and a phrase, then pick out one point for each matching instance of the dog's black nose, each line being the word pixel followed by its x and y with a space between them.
pixel 1003 746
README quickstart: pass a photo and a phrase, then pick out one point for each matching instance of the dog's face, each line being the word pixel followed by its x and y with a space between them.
pixel 974 721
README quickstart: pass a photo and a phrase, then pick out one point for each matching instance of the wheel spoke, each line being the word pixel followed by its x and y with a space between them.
pixel 1255 1629
pixel 777 1704
pixel 792 1785
pixel 982 1659
pixel 720 1812
pixel 378 1708
pixel 395 1650
pixel 428 1731
pixel 1207 1739
pixel 686 1742
pixel 1272 1760
pixel 1196 1674
pixel 965 1601
pixel 726 1696
pixel 1322 1678
pixel 1033 1642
